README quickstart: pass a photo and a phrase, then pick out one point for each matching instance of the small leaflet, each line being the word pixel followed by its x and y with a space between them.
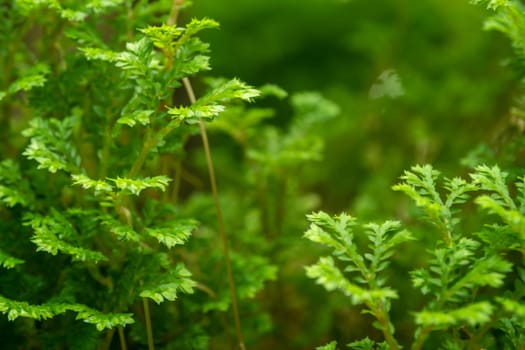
pixel 388 85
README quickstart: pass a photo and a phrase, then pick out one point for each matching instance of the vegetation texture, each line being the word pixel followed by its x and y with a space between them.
pixel 147 202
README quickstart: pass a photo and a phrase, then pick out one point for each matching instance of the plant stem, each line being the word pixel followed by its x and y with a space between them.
pixel 139 161
pixel 421 336
pixel 220 220
pixel 386 327
pixel 104 158
pixel 149 329
pixel 123 345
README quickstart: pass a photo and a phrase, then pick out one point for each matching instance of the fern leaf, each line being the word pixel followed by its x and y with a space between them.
pixel 330 277
pixel 330 346
pixel 101 320
pixel 513 307
pixel 135 186
pixel 471 314
pixel 493 180
pixel 7 261
pixel 176 233
pixel 167 286
pixel 51 233
pixel 51 143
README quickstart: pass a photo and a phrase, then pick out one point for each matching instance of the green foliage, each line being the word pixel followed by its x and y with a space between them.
pixel 472 314
pixel 167 286
pixel 458 274
pixel 52 234
pixel 367 344
pixel 92 214
pixel 499 202
pixel 420 185
pixel 51 143
pixel 330 346
pixel 212 104
pixel 8 262
pixel 36 76
pixel 100 320
pixel 337 233
pixel 177 232
pixel 492 4
pixel 13 188
pixel 103 188
pixel 134 186
pixel 15 309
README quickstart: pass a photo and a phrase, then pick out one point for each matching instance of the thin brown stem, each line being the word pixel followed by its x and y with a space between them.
pixel 139 161
pixel 104 158
pixel 149 329
pixel 123 345
pixel 220 220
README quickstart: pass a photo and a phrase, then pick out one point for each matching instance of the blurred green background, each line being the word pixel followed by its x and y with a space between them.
pixel 455 85
pixel 416 82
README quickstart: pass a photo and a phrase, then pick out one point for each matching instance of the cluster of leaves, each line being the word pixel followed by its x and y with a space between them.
pixel 471 280
pixel 103 203
pixel 337 234
pixel 90 211
pixel 469 283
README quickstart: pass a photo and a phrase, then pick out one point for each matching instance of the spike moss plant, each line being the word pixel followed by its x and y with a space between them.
pixel 472 288
pixel 113 233
pixel 470 277
pixel 91 227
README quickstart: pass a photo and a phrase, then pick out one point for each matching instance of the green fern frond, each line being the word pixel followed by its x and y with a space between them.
pixel 471 314
pixel 34 77
pixel 7 261
pixel 51 144
pixel 136 186
pixel 331 278
pixel 420 184
pixel 515 308
pixel 492 4
pixel 52 233
pixel 15 309
pixel 494 181
pixel 123 232
pixel 212 104
pixel 101 320
pixel 167 286
pixel 174 233
pixel 330 346
pixel 368 344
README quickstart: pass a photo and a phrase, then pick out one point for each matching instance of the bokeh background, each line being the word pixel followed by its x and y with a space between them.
pixel 455 80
